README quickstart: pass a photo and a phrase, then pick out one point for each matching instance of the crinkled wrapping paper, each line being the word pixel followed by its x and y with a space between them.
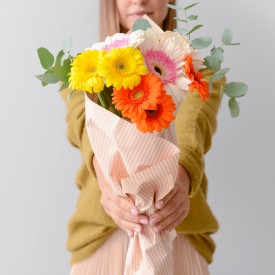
pixel 143 166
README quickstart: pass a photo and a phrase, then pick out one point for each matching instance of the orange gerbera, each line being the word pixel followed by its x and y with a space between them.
pixel 196 77
pixel 145 95
pixel 159 118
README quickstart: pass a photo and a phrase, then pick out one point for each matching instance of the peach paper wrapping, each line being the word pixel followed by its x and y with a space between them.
pixel 144 166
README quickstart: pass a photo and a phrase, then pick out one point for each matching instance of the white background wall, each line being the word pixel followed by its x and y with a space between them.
pixel 38 166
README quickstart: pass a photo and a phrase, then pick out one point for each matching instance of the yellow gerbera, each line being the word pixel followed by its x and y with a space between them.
pixel 84 72
pixel 122 67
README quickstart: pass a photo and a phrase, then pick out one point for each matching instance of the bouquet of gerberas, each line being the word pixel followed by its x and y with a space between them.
pixel 140 79
pixel 148 72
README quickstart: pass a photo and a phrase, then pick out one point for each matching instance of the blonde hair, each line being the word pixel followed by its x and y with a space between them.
pixel 109 22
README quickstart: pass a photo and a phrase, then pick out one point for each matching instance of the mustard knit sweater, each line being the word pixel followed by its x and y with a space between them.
pixel 90 226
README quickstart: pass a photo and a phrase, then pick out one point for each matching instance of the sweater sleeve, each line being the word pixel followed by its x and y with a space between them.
pixel 196 123
pixel 76 130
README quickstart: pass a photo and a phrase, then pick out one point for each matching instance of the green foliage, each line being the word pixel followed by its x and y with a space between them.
pixel 62 70
pixel 45 57
pixel 141 24
pixel 234 107
pixel 48 77
pixel 213 63
pixel 202 42
pixel 219 74
pixel 195 28
pixel 192 17
pixel 57 69
pixel 67 45
pixel 215 59
pixel 235 89
pixel 217 53
pixel 227 37
pixel 191 6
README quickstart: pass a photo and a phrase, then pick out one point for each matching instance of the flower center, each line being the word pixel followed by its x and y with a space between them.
pixel 120 66
pixel 152 113
pixel 138 94
pixel 158 70
pixel 161 65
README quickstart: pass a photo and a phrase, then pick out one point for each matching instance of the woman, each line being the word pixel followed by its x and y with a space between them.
pixel 97 230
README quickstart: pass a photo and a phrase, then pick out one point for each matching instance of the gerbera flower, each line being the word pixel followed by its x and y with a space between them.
pixel 197 61
pixel 121 40
pixel 84 72
pixel 164 56
pixel 158 118
pixel 122 68
pixel 145 95
pixel 196 79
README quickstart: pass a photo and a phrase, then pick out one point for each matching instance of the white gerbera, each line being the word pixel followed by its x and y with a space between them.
pixel 197 61
pixel 121 40
pixel 164 56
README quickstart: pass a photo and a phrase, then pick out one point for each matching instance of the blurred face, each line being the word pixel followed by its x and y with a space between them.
pixel 130 10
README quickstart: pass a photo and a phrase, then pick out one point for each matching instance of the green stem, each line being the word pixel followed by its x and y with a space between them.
pixel 102 100
pixel 108 96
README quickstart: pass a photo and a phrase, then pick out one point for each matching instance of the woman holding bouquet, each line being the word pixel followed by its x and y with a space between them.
pixel 103 222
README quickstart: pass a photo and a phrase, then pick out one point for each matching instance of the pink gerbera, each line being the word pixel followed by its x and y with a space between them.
pixel 164 56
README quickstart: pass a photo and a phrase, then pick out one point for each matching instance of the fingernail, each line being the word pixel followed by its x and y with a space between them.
pixel 138 229
pixel 153 221
pixel 134 212
pixel 158 228
pixel 159 204
pixel 144 221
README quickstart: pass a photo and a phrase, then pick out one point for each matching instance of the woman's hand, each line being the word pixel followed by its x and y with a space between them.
pixel 174 207
pixel 123 211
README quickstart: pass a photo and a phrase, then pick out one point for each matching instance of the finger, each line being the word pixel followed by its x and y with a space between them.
pixel 175 221
pixel 119 206
pixel 161 203
pixel 172 218
pixel 169 208
pixel 129 227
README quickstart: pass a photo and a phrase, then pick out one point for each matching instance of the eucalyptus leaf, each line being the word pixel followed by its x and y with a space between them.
pixel 192 17
pixel 45 57
pixel 202 42
pixel 190 6
pixel 235 89
pixel 234 107
pixel 219 74
pixel 63 86
pixel 195 28
pixel 212 62
pixel 62 70
pixel 218 54
pixel 181 31
pixel 181 20
pixel 141 24
pixel 227 37
pixel 44 83
pixel 67 44
pixel 235 44
pixel 49 78
pixel 64 57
